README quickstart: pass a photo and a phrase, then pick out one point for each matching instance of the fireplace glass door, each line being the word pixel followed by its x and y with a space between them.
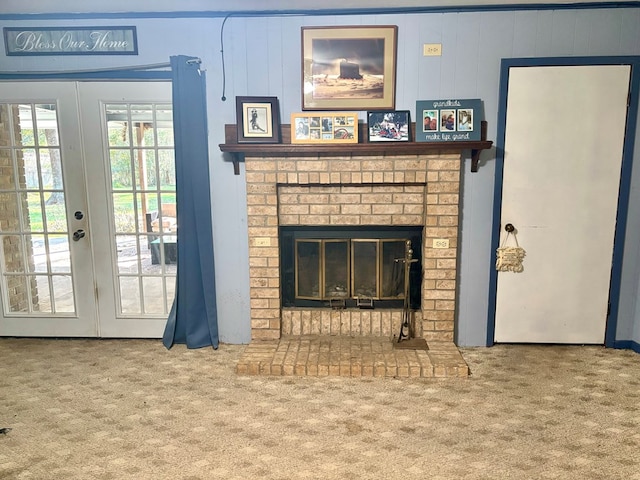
pixel 327 269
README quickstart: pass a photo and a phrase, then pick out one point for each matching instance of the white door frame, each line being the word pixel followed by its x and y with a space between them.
pixel 625 182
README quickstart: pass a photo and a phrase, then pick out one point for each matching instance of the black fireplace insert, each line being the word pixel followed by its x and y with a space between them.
pixel 350 267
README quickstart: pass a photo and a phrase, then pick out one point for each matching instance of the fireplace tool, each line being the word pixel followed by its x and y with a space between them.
pixel 406 328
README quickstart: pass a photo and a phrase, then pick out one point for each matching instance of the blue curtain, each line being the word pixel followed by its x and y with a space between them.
pixel 193 318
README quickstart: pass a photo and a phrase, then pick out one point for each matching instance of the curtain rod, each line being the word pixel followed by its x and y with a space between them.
pixel 100 70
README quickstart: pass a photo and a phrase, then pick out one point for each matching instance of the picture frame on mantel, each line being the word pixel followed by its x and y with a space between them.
pixel 349 67
pixel 258 120
pixel 451 120
pixel 324 127
pixel 389 126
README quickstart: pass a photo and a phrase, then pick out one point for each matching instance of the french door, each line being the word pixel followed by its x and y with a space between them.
pixel 87 218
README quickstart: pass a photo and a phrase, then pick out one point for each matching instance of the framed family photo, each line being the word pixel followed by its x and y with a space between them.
pixel 448 120
pixel 349 68
pixel 390 126
pixel 258 119
pixel 324 127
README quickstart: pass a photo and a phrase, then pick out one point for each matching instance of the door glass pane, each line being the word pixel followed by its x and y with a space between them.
pixel 164 126
pixel 19 294
pixel 9 112
pixel 142 120
pixel 129 295
pixel 39 247
pixel 118 128
pixel 42 300
pixel 33 218
pixel 127 254
pixel 51 172
pixel 63 293
pixel 166 169
pixel 150 287
pixel 145 221
pixel 56 213
pixel 32 172
pixel 121 176
pixel 47 125
pixel 12 254
pixel 145 171
pixel 59 254
pixel 124 213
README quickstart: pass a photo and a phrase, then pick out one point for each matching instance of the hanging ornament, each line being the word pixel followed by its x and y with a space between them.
pixel 509 259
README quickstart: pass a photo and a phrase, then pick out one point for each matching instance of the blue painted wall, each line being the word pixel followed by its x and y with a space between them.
pixel 263 58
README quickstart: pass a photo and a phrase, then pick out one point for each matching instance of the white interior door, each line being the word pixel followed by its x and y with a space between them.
pixel 564 137
pixel 88 220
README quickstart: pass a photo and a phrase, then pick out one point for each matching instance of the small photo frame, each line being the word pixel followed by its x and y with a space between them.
pixel 324 127
pixel 465 119
pixel 448 120
pixel 389 126
pixel 430 120
pixel 258 119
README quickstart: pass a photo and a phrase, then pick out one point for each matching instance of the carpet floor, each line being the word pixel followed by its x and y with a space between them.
pixel 130 409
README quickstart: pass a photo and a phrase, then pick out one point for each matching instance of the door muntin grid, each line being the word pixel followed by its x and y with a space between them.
pixel 35 259
pixel 142 190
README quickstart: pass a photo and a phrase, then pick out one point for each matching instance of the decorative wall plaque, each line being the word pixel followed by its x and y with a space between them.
pixel 70 41
pixel 448 120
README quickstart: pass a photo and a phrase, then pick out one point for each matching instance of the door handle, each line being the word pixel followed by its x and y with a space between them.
pixel 509 227
pixel 78 234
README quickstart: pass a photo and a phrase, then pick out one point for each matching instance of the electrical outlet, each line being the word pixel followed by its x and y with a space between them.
pixel 440 243
pixel 432 49
pixel 262 242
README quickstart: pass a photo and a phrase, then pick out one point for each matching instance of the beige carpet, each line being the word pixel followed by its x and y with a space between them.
pixel 107 409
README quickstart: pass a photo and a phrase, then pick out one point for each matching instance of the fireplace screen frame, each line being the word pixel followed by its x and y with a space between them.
pixel 346 279
pixel 342 291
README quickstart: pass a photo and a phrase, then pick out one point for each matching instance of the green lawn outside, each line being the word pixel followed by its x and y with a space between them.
pixel 122 207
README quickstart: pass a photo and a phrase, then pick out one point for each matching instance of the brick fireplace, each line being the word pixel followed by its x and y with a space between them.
pixel 417 190
pixel 363 185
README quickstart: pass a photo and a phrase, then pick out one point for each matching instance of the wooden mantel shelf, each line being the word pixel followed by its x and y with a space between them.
pixel 287 149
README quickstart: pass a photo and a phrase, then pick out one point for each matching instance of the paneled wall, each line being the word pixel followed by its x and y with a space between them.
pixel 262 57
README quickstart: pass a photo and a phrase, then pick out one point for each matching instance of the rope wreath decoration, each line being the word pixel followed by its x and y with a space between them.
pixel 509 259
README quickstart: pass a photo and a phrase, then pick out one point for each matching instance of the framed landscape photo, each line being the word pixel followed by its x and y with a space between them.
pixel 258 119
pixel 349 68
pixel 324 127
pixel 450 120
pixel 390 126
